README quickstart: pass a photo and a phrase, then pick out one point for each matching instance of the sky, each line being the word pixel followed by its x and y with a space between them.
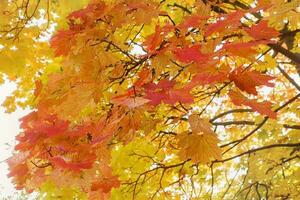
pixel 9 128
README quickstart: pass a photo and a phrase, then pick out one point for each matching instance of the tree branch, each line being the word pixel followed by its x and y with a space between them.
pixel 288 145
pixel 229 112
pixel 285 52
pixel 228 123
pixel 288 78
pixel 236 142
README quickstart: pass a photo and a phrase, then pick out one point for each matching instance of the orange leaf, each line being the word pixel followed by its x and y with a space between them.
pixel 17 164
pixel 249 80
pixel 78 166
pixel 130 102
pixel 153 41
pixel 202 145
pixel 264 108
pixel 199 148
pixel 62 42
pixel 106 185
pixel 198 124
pixel 144 77
pixel 243 49
pixel 38 87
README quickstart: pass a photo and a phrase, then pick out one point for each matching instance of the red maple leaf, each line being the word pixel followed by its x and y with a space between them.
pixel 262 31
pixel 249 80
pixel 165 92
pixel 209 75
pixel 191 54
pixel 48 125
pixel 230 20
pixel 192 21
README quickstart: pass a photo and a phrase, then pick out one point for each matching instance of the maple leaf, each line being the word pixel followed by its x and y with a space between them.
pixel 209 75
pixel 192 21
pixel 262 31
pixel 231 20
pixel 143 12
pixel 264 108
pixel 18 170
pixel 49 125
pixel 144 77
pixel 198 124
pixel 165 92
pixel 243 49
pixel 87 15
pixel 209 78
pixel 191 54
pixel 180 95
pixel 132 102
pixel 17 164
pixel 106 184
pixel 74 166
pixel 38 88
pixel 62 42
pixel 154 40
pixel 202 145
pixel 248 80
pixel 199 148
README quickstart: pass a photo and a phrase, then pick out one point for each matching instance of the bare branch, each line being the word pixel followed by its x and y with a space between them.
pixel 229 112
pixel 292 81
pixel 285 52
pixel 288 145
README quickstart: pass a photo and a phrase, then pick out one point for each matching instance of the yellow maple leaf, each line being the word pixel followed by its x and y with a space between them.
pixel 201 146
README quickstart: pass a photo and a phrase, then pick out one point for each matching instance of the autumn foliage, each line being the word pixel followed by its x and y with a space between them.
pixel 157 99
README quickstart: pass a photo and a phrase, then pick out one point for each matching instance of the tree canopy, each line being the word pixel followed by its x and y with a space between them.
pixel 154 99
